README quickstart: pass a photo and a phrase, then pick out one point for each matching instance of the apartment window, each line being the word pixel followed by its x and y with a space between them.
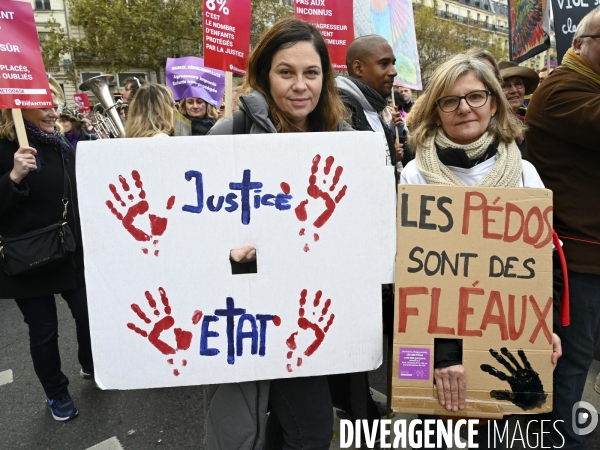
pixel 478 17
pixel 87 75
pixel 457 11
pixel 42 4
pixel 447 8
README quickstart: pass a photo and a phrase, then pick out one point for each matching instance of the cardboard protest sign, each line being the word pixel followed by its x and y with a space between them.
pixel 182 125
pixel 227 34
pixel 567 15
pixel 474 264
pixel 334 19
pixel 23 81
pixel 159 218
pixel 187 77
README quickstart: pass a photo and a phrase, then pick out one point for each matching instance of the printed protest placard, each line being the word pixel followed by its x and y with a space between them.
pixel 23 81
pixel 82 102
pixel 475 265
pixel 187 77
pixel 227 34
pixel 182 125
pixel 334 19
pixel 567 15
pixel 159 218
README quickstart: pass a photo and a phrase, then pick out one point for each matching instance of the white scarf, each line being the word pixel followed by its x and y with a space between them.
pixel 506 172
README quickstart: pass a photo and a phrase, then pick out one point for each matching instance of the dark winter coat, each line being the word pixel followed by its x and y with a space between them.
pixel 37 203
pixel 241 408
pixel 356 106
pixel 562 143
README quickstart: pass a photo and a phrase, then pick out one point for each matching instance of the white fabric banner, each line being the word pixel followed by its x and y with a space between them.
pixel 159 217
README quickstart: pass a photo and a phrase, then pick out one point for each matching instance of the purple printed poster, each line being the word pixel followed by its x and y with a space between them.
pixel 188 77
pixel 414 363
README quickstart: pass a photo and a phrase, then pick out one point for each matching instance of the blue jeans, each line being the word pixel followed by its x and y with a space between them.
pixel 40 315
pixel 301 414
pixel 578 341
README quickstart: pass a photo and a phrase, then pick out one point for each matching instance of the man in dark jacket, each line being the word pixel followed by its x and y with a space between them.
pixel 407 102
pixel 562 144
pixel 370 61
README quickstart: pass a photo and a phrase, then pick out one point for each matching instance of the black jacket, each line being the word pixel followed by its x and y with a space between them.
pixel 37 203
pixel 361 123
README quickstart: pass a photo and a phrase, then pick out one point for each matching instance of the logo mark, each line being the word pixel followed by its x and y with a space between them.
pixel 17 101
pixel 583 413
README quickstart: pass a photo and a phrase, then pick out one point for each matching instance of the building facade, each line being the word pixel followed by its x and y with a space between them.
pixel 44 12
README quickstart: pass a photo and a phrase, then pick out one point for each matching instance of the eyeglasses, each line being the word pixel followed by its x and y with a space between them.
pixel 517 84
pixel 593 36
pixel 475 99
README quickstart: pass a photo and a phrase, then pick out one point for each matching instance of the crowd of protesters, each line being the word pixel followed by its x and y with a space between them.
pixel 470 127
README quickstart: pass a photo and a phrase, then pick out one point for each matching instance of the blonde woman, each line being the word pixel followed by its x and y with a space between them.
pixel 464 134
pixel 31 187
pixel 202 115
pixel 151 112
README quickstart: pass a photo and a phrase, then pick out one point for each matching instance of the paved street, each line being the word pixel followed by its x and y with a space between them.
pixel 140 420
pixel 114 420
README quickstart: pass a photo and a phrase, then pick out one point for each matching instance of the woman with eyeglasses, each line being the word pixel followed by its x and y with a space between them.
pixel 517 82
pixel 464 134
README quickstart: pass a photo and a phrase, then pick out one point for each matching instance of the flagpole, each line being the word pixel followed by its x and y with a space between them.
pixel 397 129
pixel 228 94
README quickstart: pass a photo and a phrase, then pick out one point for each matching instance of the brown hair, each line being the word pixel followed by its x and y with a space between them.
pixel 330 110
pixel 135 83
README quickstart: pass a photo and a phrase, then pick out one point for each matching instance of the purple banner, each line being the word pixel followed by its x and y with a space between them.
pixel 187 77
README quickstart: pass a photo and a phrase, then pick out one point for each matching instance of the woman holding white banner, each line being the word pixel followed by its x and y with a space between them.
pixel 202 115
pixel 464 134
pixel 33 179
pixel 292 90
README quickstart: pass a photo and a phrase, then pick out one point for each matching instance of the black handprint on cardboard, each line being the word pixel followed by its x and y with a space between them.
pixel 527 391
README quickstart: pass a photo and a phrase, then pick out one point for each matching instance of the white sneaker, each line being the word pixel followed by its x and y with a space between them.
pixel 597 384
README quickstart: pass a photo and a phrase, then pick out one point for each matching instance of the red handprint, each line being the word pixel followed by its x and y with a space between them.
pixel 183 338
pixel 316 193
pixel 158 225
pixel 316 327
